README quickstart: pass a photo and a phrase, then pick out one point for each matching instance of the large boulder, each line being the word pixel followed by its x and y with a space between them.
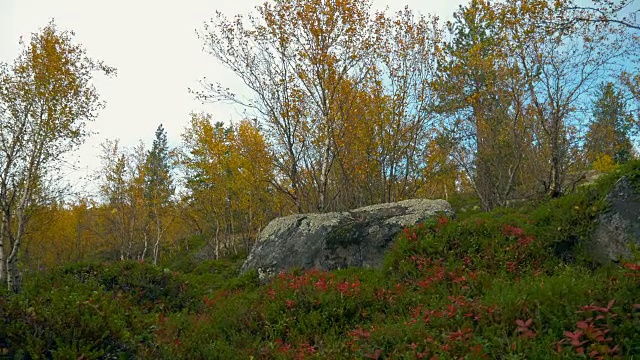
pixel 357 238
pixel 618 229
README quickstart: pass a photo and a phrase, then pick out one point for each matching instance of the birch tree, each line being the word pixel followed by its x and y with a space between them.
pixel 563 67
pixel 297 57
pixel 46 99
pixel 408 49
pixel 227 172
pixel 125 215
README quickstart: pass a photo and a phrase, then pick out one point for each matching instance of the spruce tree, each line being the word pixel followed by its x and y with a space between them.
pixel 158 185
pixel 608 133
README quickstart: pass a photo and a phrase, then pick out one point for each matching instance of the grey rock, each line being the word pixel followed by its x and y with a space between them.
pixel 357 238
pixel 618 229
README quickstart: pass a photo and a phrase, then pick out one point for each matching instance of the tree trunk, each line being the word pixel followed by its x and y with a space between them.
pixel 13 274
pixel 217 240
pixel 324 175
pixel 156 246
pixel 146 243
pixel 3 264
pixel 123 236
pixel 233 238
pixel 485 180
pixel 555 186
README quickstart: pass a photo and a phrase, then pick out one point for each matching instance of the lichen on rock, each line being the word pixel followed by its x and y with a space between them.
pixel 618 229
pixel 337 240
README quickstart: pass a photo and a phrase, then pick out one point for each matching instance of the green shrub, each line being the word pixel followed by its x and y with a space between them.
pixel 510 284
pixel 67 318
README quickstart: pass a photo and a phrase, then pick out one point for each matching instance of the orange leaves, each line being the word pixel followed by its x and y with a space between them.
pixel 57 235
pixel 228 173
pixel 303 59
pixel 55 73
pixel 212 151
pixel 344 94
pixel 46 98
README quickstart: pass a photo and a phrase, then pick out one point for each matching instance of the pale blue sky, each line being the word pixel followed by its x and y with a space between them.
pixel 158 56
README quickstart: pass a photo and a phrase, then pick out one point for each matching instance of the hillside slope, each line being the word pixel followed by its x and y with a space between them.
pixel 510 284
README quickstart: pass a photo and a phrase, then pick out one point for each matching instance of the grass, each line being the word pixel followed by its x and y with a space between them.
pixel 510 284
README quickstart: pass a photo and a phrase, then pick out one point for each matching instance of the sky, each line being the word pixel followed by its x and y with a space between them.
pixel 153 45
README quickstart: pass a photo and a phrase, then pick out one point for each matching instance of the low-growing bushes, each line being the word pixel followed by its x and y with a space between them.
pixel 511 284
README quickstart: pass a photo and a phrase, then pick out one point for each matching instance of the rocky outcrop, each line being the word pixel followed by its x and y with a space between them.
pixel 619 227
pixel 357 238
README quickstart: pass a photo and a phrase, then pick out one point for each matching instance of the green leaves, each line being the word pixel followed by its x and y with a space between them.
pixel 609 130
pixel 158 180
